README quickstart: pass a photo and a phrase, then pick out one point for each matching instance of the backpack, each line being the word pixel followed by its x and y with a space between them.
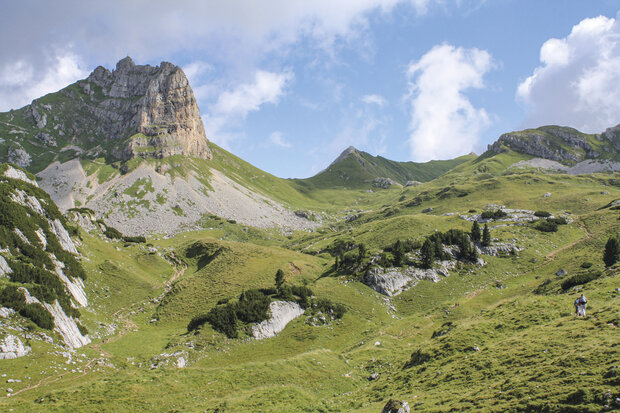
pixel 582 300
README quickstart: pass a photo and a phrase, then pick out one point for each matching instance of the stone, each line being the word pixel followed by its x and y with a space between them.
pixel 11 347
pixel 19 174
pixel 547 195
pixel 46 138
pixel 4 267
pixel 426 210
pixel 383 183
pixel 282 312
pixel 63 236
pixel 396 406
pixel 561 272
pixel 19 157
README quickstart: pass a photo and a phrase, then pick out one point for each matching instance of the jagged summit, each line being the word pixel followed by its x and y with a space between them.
pixel 346 154
pixel 131 111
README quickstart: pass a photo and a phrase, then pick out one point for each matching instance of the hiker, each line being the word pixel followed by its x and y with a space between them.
pixel 582 305
pixel 577 306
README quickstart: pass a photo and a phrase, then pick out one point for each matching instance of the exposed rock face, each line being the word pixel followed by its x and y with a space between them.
pixel 19 157
pixel 384 183
pixel 396 406
pixel 63 236
pixel 4 267
pixel 66 326
pixel 18 174
pixel 556 143
pixel 282 313
pixel 393 281
pixel 153 105
pixel 12 347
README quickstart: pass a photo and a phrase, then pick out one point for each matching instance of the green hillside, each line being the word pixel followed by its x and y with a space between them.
pixel 358 169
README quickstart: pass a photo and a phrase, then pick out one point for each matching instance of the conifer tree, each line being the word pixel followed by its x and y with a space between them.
pixel 362 250
pixel 486 236
pixel 279 279
pixel 399 253
pixel 428 253
pixel 475 232
pixel 612 250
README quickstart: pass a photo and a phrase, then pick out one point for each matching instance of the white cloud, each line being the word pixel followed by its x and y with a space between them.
pixel 577 83
pixel 374 99
pixel 277 139
pixel 444 123
pixel 20 82
pixel 232 106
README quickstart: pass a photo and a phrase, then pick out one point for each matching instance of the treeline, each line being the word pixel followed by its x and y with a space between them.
pixel 252 306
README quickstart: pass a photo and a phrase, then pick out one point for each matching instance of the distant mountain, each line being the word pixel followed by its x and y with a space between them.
pixel 132 111
pixel 355 168
pixel 561 144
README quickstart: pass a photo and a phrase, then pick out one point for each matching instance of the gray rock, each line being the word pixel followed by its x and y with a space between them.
pixel 19 157
pixel 425 210
pixel 39 119
pixel 412 183
pixel 396 406
pixel 561 272
pixel 46 138
pixel 384 183
pixel 11 347
pixel 4 267
pixel 547 195
pixel 282 313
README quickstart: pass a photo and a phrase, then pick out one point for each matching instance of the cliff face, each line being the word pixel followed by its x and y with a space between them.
pixel 131 111
pixel 561 144
pixel 155 105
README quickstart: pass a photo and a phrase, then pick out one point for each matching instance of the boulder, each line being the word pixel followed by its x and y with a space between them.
pixel 11 347
pixel 396 406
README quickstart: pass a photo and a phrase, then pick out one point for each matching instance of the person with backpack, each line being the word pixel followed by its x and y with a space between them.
pixel 577 305
pixel 582 305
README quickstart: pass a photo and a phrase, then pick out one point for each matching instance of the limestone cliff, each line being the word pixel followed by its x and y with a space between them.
pixel 155 105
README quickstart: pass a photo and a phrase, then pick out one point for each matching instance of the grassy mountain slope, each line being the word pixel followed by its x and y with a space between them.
pixel 499 337
pixel 358 169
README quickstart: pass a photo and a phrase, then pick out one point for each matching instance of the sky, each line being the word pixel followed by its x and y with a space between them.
pixel 288 85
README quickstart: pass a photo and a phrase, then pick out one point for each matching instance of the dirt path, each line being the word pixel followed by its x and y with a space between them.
pixel 553 253
pixel 129 325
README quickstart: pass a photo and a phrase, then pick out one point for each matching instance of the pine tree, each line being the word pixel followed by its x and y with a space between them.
pixel 612 250
pixel 362 250
pixel 438 251
pixel 475 232
pixel 486 236
pixel 428 253
pixel 399 253
pixel 279 280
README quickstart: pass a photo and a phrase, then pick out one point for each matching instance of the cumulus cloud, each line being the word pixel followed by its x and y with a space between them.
pixel 444 123
pixel 20 82
pixel 277 139
pixel 577 83
pixel 374 100
pixel 239 33
pixel 232 106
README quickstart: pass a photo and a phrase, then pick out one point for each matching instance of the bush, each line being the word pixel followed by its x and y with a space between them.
pixel 580 279
pixel 139 239
pixel 498 214
pixel 224 320
pixel 586 264
pixel 83 330
pixel 112 233
pixel 558 220
pixel 542 214
pixel 612 252
pixel 38 314
pixel 546 226
pixel 326 306
pixel 253 306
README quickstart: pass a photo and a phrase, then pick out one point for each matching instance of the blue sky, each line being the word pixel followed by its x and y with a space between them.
pixel 287 85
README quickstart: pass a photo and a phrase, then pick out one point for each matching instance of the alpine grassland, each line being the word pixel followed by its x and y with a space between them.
pixel 501 335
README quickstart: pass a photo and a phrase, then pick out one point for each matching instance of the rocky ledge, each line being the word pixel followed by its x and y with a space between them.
pixel 282 313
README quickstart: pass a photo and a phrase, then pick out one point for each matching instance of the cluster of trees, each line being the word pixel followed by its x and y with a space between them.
pixel 432 248
pixel 252 306
pixel 31 262
pixel 497 214
pixel 550 224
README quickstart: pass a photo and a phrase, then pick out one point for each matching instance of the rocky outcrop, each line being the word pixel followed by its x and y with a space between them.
pixel 282 313
pixel 153 106
pixel 383 183
pixel 63 236
pixel 75 287
pixel 396 406
pixel 393 281
pixel 13 173
pixel 4 267
pixel 11 347
pixel 19 157
pixel 6 312
pixel 560 144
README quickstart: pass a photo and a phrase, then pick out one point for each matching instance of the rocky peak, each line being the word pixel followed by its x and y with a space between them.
pixel 347 153
pixel 560 144
pixel 153 106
